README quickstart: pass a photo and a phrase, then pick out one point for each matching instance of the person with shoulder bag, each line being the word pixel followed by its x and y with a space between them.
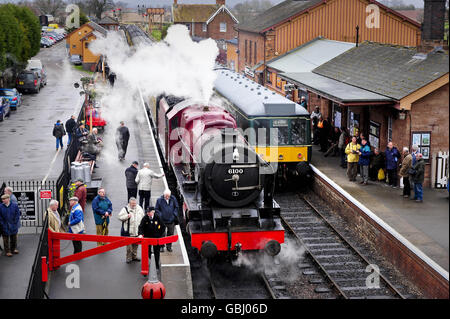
pixel 76 223
pixel 131 216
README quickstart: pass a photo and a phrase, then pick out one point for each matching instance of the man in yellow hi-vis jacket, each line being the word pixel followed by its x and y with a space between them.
pixel 352 151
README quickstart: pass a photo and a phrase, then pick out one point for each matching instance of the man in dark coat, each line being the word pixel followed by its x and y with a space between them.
pixel 378 161
pixel 130 175
pixel 315 115
pixel 418 177
pixel 112 78
pixel 122 137
pixel 81 134
pixel 9 224
pixel 71 126
pixel 392 158
pixel 152 226
pixel 167 207
pixel 58 133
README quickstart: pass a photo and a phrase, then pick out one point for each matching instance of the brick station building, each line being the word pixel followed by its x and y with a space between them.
pixel 391 93
pixel 292 23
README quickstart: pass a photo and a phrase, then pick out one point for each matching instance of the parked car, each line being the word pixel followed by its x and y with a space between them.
pixel 75 59
pixel 14 97
pixel 28 81
pixel 5 110
pixel 36 65
pixel 45 43
pixel 42 75
pixel 49 40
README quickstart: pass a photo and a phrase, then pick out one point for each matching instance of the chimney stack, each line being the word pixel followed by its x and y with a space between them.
pixel 433 25
pixel 220 2
pixel 433 20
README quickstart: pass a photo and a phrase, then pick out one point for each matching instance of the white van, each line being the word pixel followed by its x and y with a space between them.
pixel 34 64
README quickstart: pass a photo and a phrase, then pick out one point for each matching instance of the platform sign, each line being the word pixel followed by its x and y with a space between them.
pixel 27 204
pixel 45 194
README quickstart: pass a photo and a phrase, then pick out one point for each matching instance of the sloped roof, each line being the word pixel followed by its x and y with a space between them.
pixel 193 12
pixel 276 14
pixel 97 27
pixel 310 55
pixel 333 89
pixel 108 20
pixel 389 70
pixel 290 8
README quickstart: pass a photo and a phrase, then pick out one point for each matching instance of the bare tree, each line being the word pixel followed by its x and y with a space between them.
pixel 97 7
pixel 52 7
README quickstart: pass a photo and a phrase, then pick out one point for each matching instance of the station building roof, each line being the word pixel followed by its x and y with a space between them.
pixel 389 70
pixel 334 90
pixel 310 55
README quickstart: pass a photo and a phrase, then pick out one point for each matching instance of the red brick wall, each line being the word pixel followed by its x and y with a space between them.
pixel 198 30
pixel 214 27
pixel 253 37
pixel 429 114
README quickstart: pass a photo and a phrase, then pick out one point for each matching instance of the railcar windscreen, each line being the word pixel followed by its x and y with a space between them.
pixel 299 132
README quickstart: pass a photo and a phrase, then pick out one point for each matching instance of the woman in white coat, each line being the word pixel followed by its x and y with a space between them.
pixel 131 216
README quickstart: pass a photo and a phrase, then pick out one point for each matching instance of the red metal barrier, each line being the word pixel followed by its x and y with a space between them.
pixel 55 260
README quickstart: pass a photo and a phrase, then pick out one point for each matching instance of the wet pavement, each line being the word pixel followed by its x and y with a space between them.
pixel 425 225
pixel 27 145
pixel 28 151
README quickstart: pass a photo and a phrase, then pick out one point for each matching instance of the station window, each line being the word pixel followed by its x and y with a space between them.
pixel 374 134
pixel 269 77
pixel 223 27
pixel 423 140
pixel 279 82
pixel 245 50
pixel 250 53
pixel 389 132
pixel 204 27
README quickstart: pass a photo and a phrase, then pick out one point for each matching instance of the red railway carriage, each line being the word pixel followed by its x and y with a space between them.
pixel 226 188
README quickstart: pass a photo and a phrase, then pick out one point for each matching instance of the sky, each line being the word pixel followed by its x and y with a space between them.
pixel 230 3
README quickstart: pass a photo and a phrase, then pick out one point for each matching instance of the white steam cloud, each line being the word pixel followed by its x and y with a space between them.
pixel 291 254
pixel 176 66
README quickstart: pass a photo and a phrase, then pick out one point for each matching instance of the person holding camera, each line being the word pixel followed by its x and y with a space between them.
pixel 352 151
pixel 131 216
pixel 152 226
pixel 167 208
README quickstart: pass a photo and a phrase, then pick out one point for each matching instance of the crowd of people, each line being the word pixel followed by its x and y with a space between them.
pixel 139 219
pixel 149 222
pixel 356 156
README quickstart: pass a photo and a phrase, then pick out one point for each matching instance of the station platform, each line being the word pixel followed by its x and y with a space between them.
pixel 425 225
pixel 108 276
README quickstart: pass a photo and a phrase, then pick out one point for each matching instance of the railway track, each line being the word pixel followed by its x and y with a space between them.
pixel 332 257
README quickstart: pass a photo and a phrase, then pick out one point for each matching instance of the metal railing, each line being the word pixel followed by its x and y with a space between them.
pixel 36 287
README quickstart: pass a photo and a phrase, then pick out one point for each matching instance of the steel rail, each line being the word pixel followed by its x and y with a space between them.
pixel 314 259
pixel 355 250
